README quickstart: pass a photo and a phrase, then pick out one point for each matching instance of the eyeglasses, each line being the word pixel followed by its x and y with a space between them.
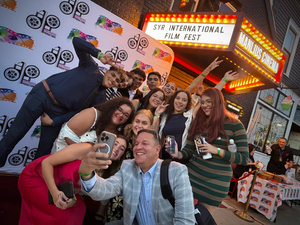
pixel 153 78
pixel 126 115
pixel 207 102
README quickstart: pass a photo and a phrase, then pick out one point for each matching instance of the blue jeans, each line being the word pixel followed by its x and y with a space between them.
pixel 36 103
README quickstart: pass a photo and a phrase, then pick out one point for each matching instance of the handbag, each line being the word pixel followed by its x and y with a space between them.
pixel 67 188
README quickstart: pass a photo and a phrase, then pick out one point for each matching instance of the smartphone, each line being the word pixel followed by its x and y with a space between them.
pixel 171 143
pixel 199 140
pixel 109 140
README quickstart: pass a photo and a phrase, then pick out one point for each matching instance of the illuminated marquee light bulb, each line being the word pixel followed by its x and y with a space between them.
pixel 151 19
pixel 168 19
pixel 197 20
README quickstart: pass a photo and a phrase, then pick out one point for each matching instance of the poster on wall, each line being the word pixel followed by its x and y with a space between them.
pixel 36 42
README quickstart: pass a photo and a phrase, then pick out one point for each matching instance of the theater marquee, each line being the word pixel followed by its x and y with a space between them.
pixel 198 38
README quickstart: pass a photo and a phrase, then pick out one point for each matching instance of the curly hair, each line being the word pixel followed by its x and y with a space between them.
pixel 120 71
pixel 107 109
pixel 170 109
pixel 115 165
pixel 145 101
pixel 128 132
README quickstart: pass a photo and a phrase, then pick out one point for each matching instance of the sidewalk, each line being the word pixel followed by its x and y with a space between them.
pixel 225 216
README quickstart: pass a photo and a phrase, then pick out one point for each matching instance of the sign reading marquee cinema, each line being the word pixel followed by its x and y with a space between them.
pixel 198 38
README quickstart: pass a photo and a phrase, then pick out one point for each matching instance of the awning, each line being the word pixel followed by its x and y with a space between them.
pixel 198 38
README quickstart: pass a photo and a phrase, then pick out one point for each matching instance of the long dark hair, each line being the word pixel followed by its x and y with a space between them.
pixel 107 109
pixel 170 109
pixel 212 125
pixel 145 101
pixel 115 165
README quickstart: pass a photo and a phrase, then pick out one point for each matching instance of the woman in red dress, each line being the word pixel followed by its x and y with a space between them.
pixel 45 174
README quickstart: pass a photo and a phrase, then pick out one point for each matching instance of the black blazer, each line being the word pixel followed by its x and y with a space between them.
pixel 125 93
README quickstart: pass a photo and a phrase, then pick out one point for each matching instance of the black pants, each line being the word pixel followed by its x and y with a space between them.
pixel 36 103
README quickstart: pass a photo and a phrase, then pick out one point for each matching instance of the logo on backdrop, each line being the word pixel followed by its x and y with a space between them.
pixel 9 36
pixel 62 57
pixel 11 4
pixel 7 95
pixel 164 78
pixel 24 154
pixel 143 66
pixel 82 8
pixel 109 25
pixel 119 55
pixel 5 124
pixel 14 73
pixel 138 43
pixel 77 33
pixel 160 54
pixel 50 22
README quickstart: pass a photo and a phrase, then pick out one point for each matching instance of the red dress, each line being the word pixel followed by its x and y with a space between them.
pixel 34 191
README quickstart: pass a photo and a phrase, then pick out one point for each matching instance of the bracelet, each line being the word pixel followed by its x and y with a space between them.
pixel 203 75
pixel 156 115
pixel 219 150
pixel 223 79
pixel 83 174
pixel 74 200
pixel 100 54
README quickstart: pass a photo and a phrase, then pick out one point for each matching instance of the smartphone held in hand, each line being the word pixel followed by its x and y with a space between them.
pixel 201 140
pixel 170 139
pixel 108 139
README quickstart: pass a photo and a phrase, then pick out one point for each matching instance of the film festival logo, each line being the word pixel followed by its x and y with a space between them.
pixel 25 72
pixel 61 57
pixel 119 55
pixel 139 43
pixel 5 124
pixel 82 8
pixel 24 155
pixel 41 20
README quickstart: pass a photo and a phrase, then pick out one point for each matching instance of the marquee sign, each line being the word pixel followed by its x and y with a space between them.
pixel 199 38
pixel 191 30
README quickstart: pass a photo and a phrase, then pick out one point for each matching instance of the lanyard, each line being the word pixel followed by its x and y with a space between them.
pixel 280 152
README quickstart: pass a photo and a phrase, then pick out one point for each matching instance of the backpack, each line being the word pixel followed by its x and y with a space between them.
pixel 202 215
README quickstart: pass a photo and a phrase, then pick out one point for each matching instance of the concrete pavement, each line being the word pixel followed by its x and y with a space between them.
pixel 225 216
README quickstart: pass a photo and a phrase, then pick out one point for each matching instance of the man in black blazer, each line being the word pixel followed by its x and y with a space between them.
pixel 133 91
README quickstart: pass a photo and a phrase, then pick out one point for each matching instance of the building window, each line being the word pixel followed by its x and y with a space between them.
pixel 290 45
pixel 268 131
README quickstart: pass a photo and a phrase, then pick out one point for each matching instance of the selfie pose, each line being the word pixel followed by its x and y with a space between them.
pixel 210 177
pixel 87 125
pixel 139 182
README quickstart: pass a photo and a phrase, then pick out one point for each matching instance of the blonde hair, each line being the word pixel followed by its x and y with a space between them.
pixel 128 132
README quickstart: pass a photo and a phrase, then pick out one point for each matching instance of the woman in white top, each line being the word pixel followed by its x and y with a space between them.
pixel 87 125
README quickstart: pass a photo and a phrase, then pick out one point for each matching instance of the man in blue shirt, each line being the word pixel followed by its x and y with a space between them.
pixel 61 96
pixel 138 181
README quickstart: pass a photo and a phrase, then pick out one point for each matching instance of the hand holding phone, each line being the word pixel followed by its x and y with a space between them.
pixel 108 139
